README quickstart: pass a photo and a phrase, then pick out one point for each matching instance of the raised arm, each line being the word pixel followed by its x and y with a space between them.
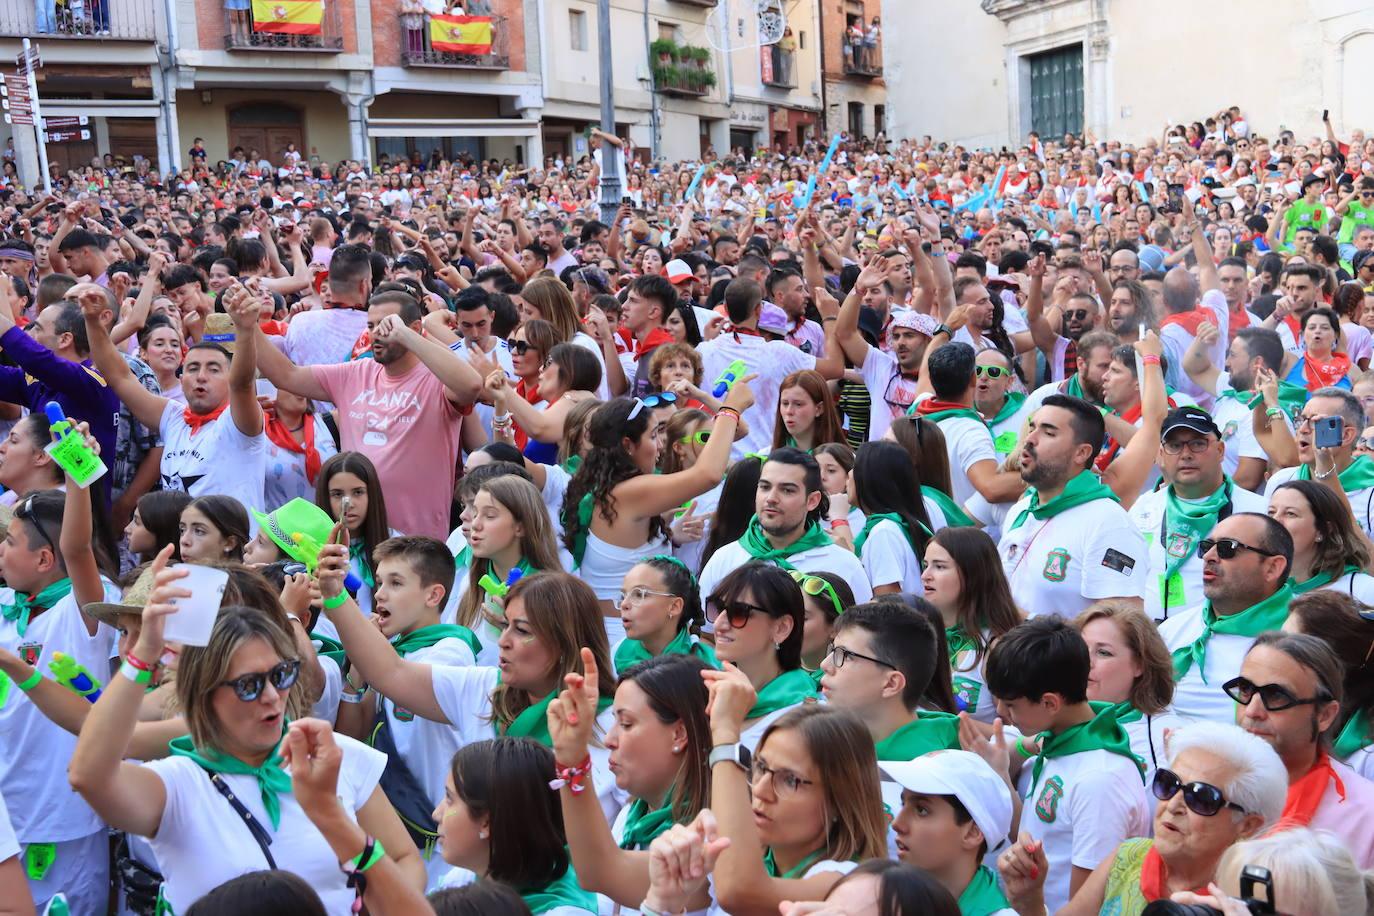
pixel 1127 474
pixel 1044 336
pixel 281 372
pixel 1273 434
pixel 146 407
pixel 243 308
pixel 75 538
pixel 460 379
pixel 1197 359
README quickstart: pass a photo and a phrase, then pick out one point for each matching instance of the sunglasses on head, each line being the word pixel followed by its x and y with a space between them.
pixel 1227 548
pixel 249 687
pixel 815 586
pixel 737 612
pixel 659 399
pixel 1201 797
pixel 1275 697
pixel 25 511
pixel 993 372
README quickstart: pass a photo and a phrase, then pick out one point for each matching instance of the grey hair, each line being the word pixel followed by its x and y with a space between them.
pixel 1352 413
pixel 1314 874
pixel 1260 785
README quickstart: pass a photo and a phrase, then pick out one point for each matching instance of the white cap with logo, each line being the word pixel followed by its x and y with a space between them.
pixel 968 778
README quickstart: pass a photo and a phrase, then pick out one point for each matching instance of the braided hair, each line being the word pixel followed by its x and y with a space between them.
pixel 606 464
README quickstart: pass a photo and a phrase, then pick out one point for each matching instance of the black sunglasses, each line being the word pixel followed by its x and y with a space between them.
pixel 521 347
pixel 1076 314
pixel 249 687
pixel 737 612
pixel 1201 797
pixel 25 511
pixel 1227 548
pixel 1275 697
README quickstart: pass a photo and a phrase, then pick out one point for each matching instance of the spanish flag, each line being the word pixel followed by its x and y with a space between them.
pixel 460 34
pixel 288 17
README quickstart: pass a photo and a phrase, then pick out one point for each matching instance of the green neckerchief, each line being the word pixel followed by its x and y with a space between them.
pixel 1291 398
pixel 272 779
pixel 329 648
pixel 955 516
pixel 572 464
pixel 1084 488
pixel 463 558
pixel 871 522
pixel 631 651
pixel 1191 520
pixel 958 642
pixel 1103 732
pixel 1268 614
pixel 643 825
pixel 1321 580
pixel 1358 476
pixel 1125 712
pixel 534 721
pixel 787 689
pixel 796 871
pixel 24 606
pixel 935 416
pixel 564 891
pixel 1009 407
pixel 425 637
pixel 756 543
pixel 932 731
pixel 357 551
pixel 1075 389
pixel 1354 735
pixel 585 506
pixel 983 896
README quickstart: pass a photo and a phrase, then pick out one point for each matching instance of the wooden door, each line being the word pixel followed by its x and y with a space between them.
pixel 267 127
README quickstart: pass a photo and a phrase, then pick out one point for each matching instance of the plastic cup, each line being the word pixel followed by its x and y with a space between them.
pixel 195 616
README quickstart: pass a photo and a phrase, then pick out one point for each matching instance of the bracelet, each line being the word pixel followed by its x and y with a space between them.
pixel 1021 747
pixel 1275 413
pixel 348 697
pixel 729 410
pixel 330 603
pixel 1150 359
pixel 823 321
pixel 943 329
pixel 572 778
pixel 354 868
pixel 135 662
pixel 839 523
pixel 1315 476
pixel 31 681
pixel 291 616
pixel 137 675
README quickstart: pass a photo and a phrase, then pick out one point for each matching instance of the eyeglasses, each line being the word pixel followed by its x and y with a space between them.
pixel 815 586
pixel 700 437
pixel 249 687
pixel 1275 697
pixel 1304 420
pixel 785 782
pixel 521 347
pixel 1076 314
pixel 1201 797
pixel 839 655
pixel 991 372
pixel 737 612
pixel 1366 443
pixel 659 399
pixel 25 511
pixel 1227 548
pixel 1196 446
pixel 639 594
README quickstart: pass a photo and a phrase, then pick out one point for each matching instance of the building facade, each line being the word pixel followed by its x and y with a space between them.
pixel 986 73
pixel 852 60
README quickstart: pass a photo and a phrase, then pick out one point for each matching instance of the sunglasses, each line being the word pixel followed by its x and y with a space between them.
pixel 815 586
pixel 24 510
pixel 521 347
pixel 993 372
pixel 249 687
pixel 660 399
pixel 1227 548
pixel 1275 697
pixel 1076 314
pixel 1201 797
pixel 700 437
pixel 737 612
pixel 1366 443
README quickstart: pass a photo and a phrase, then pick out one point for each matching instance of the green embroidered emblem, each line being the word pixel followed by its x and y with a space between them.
pixel 966 693
pixel 1179 545
pixel 1047 805
pixel 1056 565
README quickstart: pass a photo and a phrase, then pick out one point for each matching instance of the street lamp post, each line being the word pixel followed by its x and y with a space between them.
pixel 610 162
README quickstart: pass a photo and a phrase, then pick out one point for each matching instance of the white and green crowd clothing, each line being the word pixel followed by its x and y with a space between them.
pixel 1350 581
pixel 889 553
pixel 930 731
pixel 560 897
pixel 782 693
pixel 967 440
pixel 1357 480
pixel 1231 411
pixel 969 677
pixel 1061 556
pixel 813 552
pixel 1005 425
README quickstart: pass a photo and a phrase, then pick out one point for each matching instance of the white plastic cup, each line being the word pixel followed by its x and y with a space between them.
pixel 195 616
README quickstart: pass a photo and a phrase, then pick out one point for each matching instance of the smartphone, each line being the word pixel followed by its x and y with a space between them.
pixel 627 201
pixel 1329 432
pixel 344 505
pixel 1326 114
pixel 1175 203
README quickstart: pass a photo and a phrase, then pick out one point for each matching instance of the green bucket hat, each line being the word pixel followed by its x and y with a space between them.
pixel 300 528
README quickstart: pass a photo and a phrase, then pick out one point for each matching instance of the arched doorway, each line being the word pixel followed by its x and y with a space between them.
pixel 267 127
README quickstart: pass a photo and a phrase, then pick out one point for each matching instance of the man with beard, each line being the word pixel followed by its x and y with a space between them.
pixel 403 408
pixel 1337 467
pixel 1252 350
pixel 1001 408
pixel 1131 305
pixel 1068 542
pixel 1302 284
pixel 1235 286
pixel 1094 358
pixel 1079 313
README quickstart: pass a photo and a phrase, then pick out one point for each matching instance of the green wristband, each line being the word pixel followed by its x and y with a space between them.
pixel 330 603
pixel 30 682
pixel 1021 747
pixel 378 853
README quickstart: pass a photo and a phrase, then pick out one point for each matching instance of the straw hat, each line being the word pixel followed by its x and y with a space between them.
pixel 219 329
pixel 135 599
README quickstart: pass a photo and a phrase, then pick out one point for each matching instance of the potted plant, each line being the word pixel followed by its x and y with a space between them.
pixel 665 50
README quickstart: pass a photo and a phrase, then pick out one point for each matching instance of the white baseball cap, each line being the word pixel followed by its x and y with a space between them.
pixel 968 778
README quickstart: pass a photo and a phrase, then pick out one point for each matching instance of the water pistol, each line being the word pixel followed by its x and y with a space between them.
pixel 71 674
pixel 310 556
pixel 495 589
pixel 733 373
pixel 69 450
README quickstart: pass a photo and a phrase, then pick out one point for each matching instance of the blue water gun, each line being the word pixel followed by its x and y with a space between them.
pixel 495 589
pixel 733 373
pixel 71 674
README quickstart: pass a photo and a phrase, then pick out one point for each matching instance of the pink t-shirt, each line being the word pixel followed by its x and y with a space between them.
pixel 410 431
pixel 1350 818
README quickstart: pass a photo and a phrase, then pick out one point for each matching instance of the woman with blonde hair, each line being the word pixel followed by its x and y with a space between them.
pixel 806 415
pixel 557 306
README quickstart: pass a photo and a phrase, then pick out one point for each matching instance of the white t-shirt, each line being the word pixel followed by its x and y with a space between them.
pixel 1176 340
pixel 1195 698
pixel 1065 563
pixel 819 868
pixel 890 393
pixel 1356 341
pixel 971 684
pixel 43 807
pixel 1233 418
pixel 583 339
pixel 690 553
pixel 9 843
pixel 201 842
pixel 772 361
pixel 967 442
pixel 1007 431
pixel 1084 805
pixel 217 459
pixel 427 746
pixel 1357 585
pixel 1361 501
pixel 1184 590
pixel 888 558
pixel 284 476
pixel 501 354
pixel 322 337
pixel 829 558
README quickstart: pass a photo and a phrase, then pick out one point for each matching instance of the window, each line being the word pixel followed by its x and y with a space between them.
pixel 577 28
pixel 856 119
pixel 879 119
pixel 668 32
pixel 801 41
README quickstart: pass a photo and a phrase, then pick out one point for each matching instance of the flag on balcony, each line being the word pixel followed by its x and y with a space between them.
pixel 460 34
pixel 288 17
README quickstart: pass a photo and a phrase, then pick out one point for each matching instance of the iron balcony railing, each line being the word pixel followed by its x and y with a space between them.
pixel 120 20
pixel 275 32
pixel 417 52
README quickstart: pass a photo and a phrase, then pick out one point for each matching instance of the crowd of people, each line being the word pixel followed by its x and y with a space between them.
pixel 922 531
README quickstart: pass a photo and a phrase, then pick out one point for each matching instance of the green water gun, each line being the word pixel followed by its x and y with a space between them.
pixel 71 674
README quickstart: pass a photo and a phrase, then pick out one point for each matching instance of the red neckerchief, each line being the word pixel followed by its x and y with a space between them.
pixel 1189 321
pixel 1071 359
pixel 278 433
pixel 1327 374
pixel 530 392
pixel 1238 318
pixel 1113 446
pixel 1306 794
pixel 335 304
pixel 932 405
pixel 1295 327
pixel 361 345
pixel 273 328
pixel 1153 877
pixel 197 420
pixel 657 337
pixel 747 332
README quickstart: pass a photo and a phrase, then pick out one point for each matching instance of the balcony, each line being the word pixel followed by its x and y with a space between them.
pixel 100 20
pixel 682 70
pixel 286 30
pixel 416 50
pixel 863 62
pixel 702 3
pixel 778 68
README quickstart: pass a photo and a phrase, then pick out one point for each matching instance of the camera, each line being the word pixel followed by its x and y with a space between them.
pixel 1251 876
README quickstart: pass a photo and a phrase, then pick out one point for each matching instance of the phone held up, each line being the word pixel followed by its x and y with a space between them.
pixel 1329 432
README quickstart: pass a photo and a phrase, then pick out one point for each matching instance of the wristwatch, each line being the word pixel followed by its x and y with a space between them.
pixel 945 330
pixel 735 753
